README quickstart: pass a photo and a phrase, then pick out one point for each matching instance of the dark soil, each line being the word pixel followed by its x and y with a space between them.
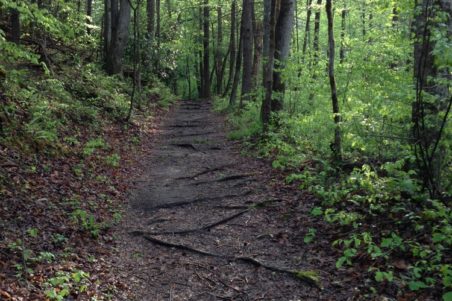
pixel 199 193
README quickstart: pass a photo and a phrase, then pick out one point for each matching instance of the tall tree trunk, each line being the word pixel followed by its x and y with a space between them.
pixel 297 28
pixel 119 35
pixel 307 28
pixel 232 47
pixel 213 47
pixel 432 81
pixel 343 23
pixel 199 70
pixel 158 25
pixel 188 76
pixel 316 45
pixel 206 59
pixel 14 20
pixel 266 33
pixel 200 52
pixel 150 10
pixel 337 143
pixel 136 86
pixel 114 9
pixel 370 25
pixel 283 32
pixel 247 44
pixel 363 18
pixel 218 53
pixel 89 13
pixel 238 66
pixel 395 16
pixel 107 28
pixel 257 37
pixel 272 7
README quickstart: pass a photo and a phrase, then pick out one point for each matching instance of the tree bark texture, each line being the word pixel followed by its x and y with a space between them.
pixel 120 20
pixel 218 52
pixel 257 37
pixel 343 23
pixel 316 45
pixel 238 66
pixel 337 143
pixel 283 33
pixel 247 44
pixel 307 28
pixel 266 108
pixel 433 81
pixel 14 20
pixel 206 59
pixel 150 11
pixel 232 47
pixel 89 13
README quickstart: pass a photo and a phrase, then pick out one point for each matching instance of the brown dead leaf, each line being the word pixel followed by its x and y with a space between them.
pixel 5 295
pixel 400 264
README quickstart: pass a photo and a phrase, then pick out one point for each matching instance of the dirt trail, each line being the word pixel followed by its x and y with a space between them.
pixel 200 193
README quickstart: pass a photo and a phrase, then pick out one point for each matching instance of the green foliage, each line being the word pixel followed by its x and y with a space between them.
pixel 113 160
pixel 64 284
pixel 165 96
pixel 33 232
pixel 92 145
pixel 309 237
pixel 381 276
pixel 386 198
pixel 311 276
pixel 221 105
pixel 86 222
pixel 447 296
pixel 245 121
pixel 59 239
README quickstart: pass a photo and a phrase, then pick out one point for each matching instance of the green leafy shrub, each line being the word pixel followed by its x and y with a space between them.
pixel 64 284
pixel 87 222
pixel 164 95
pixel 92 145
pixel 113 160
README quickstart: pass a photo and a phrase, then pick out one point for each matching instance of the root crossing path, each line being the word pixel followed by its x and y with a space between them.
pixel 206 223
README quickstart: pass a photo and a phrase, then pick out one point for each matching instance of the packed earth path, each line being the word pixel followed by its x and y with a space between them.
pixel 207 223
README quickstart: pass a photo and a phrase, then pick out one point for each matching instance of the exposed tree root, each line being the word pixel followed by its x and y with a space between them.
pixel 251 205
pixel 234 177
pixel 233 207
pixel 209 170
pixel 200 200
pixel 204 228
pixel 194 134
pixel 158 220
pixel 242 183
pixel 224 179
pixel 185 145
pixel 185 126
pixel 309 277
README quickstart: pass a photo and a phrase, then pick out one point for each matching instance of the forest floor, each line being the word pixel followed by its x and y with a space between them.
pixel 206 222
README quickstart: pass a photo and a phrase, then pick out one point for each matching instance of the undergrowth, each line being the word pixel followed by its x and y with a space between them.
pixel 65 149
pixel 392 231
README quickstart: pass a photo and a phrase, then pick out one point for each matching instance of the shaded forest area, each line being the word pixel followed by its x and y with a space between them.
pixel 350 100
